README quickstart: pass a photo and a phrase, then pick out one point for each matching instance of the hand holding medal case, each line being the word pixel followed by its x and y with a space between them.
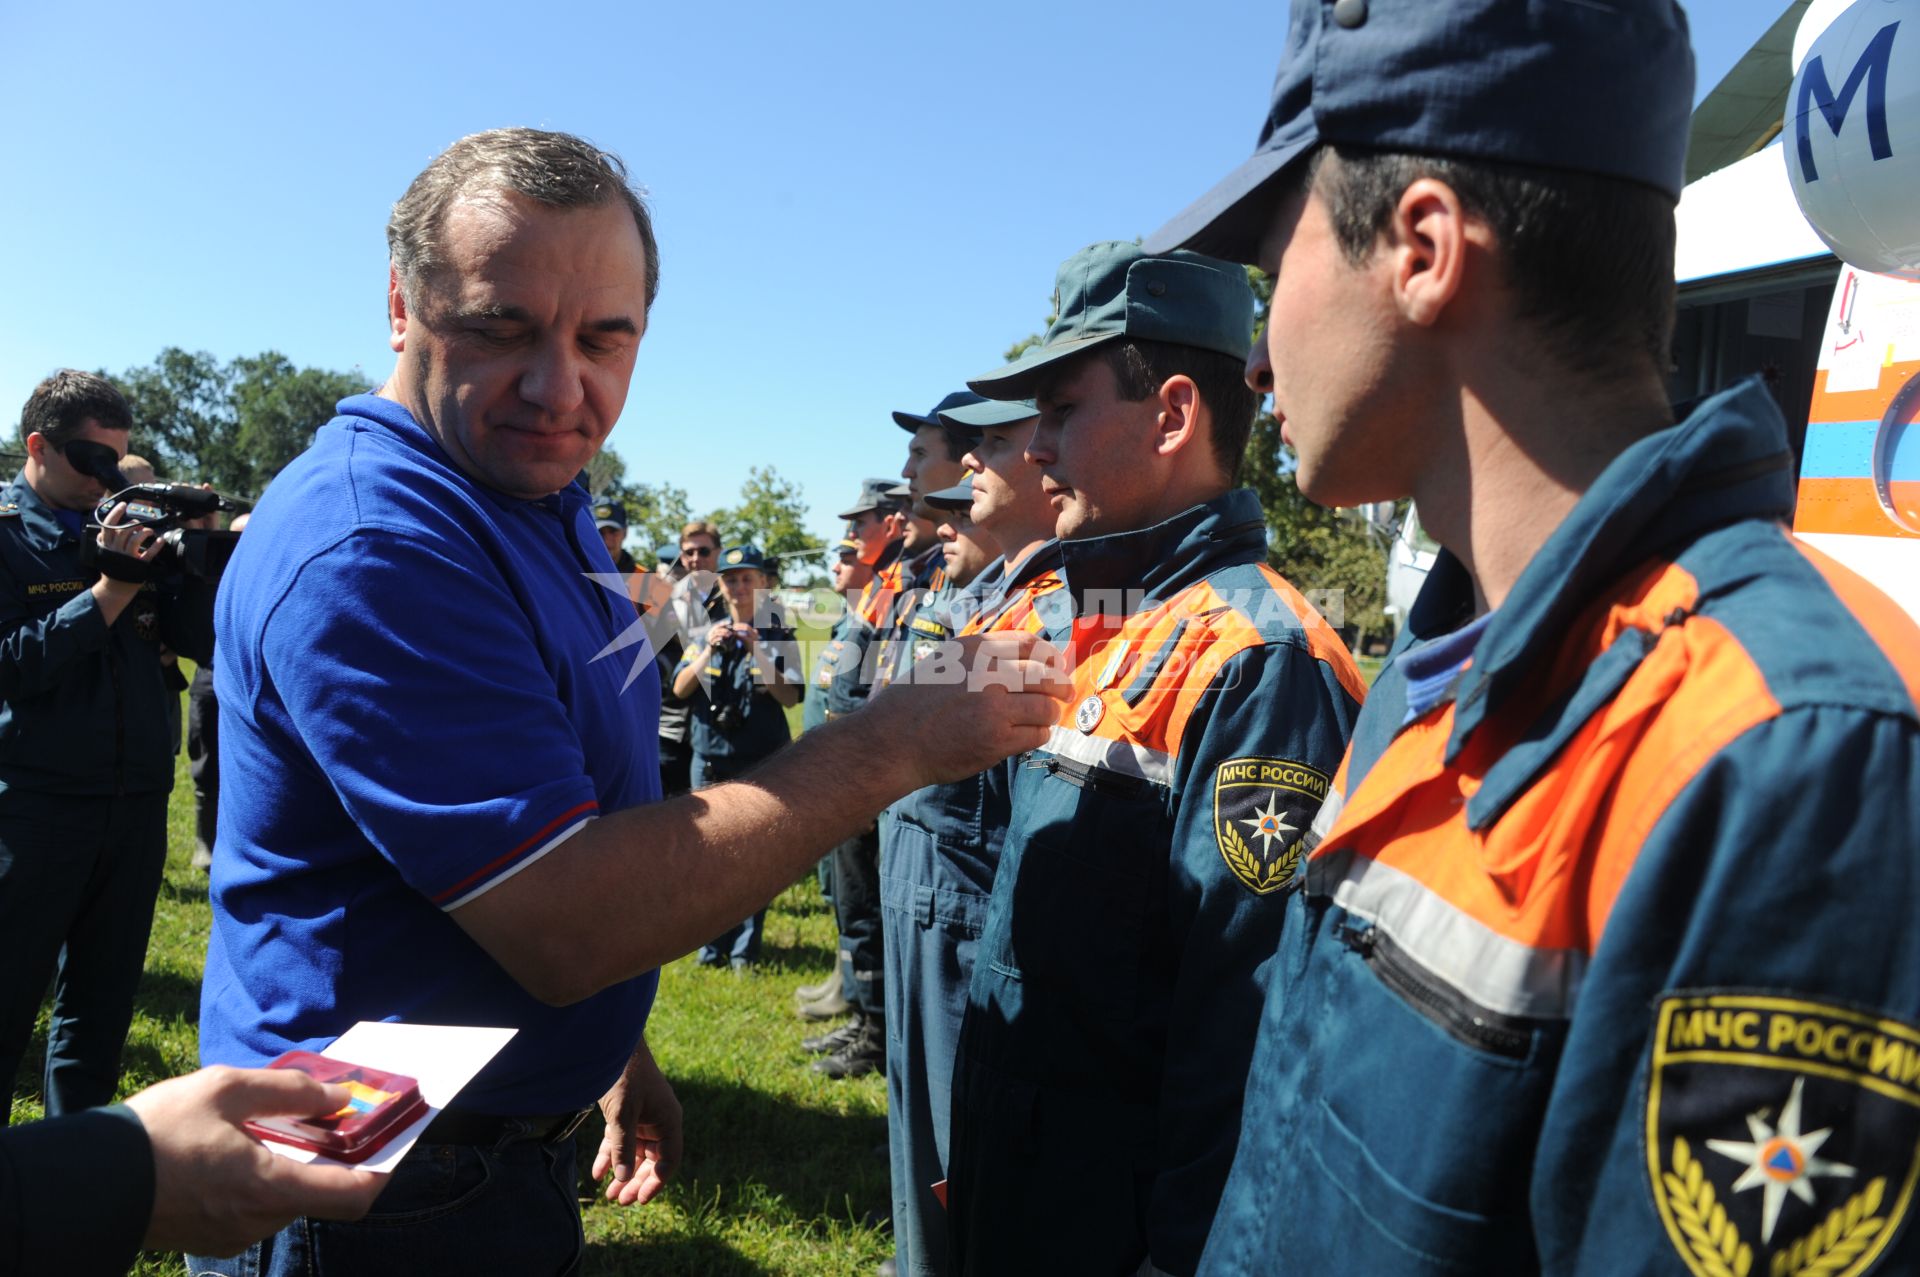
pixel 380 1105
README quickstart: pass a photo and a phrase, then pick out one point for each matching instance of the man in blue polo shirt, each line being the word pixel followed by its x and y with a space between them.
pixel 431 766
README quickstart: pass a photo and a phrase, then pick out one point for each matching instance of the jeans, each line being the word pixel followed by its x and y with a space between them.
pixel 451 1208
pixel 739 944
pixel 78 878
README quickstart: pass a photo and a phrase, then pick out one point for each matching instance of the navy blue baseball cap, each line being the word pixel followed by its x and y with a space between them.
pixel 609 514
pixel 739 557
pixel 958 497
pixel 1603 87
pixel 913 421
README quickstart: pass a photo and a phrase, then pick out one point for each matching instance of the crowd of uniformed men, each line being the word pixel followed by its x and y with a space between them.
pixel 1586 945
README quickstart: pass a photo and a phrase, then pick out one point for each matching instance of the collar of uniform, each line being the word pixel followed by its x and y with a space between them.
pixel 927 569
pixel 37 519
pixel 394 420
pixel 995 588
pixel 1727 461
pixel 1168 555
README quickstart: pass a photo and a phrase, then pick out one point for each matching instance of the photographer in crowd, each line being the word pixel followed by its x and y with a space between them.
pixel 749 670
pixel 86 759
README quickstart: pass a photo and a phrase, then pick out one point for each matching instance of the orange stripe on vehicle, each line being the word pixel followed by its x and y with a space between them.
pixel 1860 405
pixel 1844 505
pixel 1547 872
pixel 1885 621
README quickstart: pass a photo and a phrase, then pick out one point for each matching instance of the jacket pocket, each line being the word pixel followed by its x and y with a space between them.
pixel 1423 1121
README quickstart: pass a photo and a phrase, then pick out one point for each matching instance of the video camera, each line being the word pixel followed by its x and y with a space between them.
pixel 164 509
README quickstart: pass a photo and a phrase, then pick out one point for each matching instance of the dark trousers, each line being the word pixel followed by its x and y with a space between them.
pixel 676 767
pixel 448 1208
pixel 739 943
pixel 78 878
pixel 856 908
pixel 203 759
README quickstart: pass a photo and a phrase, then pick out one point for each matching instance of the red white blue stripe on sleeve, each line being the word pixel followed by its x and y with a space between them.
pixel 488 876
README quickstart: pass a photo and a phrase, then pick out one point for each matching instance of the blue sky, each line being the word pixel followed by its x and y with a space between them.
pixel 858 205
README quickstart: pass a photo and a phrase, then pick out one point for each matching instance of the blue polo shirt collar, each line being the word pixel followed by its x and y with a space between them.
pixel 396 421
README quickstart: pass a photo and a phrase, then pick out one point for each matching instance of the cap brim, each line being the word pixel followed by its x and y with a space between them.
pixel 958 497
pixel 604 524
pixel 913 421
pixel 1230 220
pixel 856 512
pixel 1023 378
pixel 994 412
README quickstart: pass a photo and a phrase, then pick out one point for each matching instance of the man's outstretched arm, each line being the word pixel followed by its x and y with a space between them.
pixel 638 888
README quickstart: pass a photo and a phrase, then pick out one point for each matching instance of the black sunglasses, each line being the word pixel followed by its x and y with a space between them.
pixel 94 459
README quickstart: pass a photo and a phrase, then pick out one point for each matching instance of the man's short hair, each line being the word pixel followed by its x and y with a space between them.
pixel 701 528
pixel 64 402
pixel 1140 368
pixel 555 169
pixel 1589 259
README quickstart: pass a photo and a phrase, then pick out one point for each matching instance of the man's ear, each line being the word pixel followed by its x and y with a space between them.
pixel 396 311
pixel 1428 241
pixel 1181 418
pixel 37 448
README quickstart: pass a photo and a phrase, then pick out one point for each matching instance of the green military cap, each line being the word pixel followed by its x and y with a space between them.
pixel 991 412
pixel 1109 291
pixel 875 494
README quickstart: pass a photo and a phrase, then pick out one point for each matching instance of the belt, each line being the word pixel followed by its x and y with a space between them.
pixel 454 1127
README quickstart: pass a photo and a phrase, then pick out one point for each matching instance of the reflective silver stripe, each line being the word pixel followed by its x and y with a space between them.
pixel 1330 808
pixel 1498 973
pixel 1119 756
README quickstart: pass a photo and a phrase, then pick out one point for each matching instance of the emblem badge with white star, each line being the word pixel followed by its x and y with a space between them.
pixel 1261 809
pixel 1783 1134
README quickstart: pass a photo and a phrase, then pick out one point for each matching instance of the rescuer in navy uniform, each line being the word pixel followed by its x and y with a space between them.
pixel 1603 952
pixel 86 760
pixel 750 673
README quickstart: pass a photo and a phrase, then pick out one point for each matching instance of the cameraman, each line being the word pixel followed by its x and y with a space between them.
pixel 750 671
pixel 85 758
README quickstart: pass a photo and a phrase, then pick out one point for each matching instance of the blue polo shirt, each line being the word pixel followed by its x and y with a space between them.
pixel 414 707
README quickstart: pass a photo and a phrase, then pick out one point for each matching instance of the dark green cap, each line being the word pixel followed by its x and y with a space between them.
pixel 875 494
pixel 991 412
pixel 1113 290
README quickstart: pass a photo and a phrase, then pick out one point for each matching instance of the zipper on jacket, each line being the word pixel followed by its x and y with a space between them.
pixel 1463 1019
pixel 1082 776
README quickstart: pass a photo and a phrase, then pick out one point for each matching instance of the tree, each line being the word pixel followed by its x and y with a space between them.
pixel 234 425
pixel 655 513
pixel 771 515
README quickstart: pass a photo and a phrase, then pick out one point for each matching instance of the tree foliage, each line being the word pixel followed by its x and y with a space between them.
pixel 655 512
pixel 235 425
pixel 771 514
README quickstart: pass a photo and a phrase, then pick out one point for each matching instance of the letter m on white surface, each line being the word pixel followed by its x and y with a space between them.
pixel 1817 91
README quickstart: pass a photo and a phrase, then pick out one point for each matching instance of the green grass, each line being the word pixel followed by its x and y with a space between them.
pixel 783 1167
